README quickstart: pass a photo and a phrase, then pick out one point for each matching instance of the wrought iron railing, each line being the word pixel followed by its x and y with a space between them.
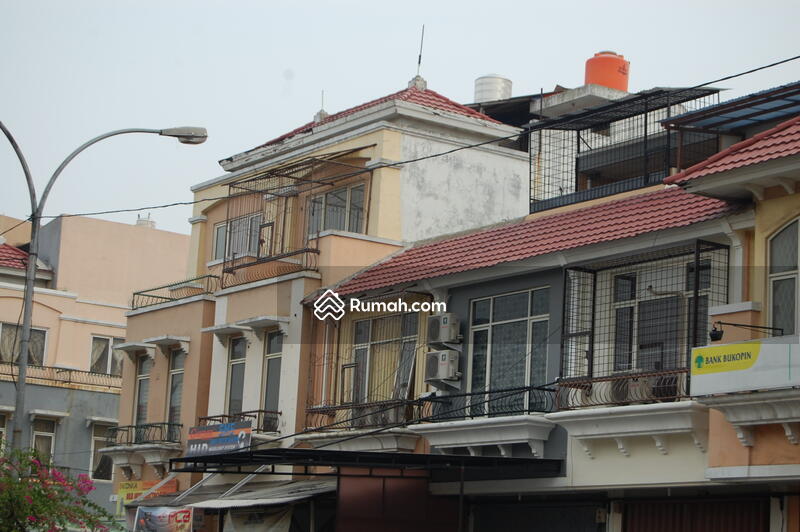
pixel 54 376
pixel 636 387
pixel 205 284
pixel 250 268
pixel 263 420
pixel 501 402
pixel 362 415
pixel 144 433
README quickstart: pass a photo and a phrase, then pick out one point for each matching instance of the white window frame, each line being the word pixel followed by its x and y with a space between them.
pixel 228 252
pixel 313 232
pixel 230 364
pixel 52 436
pixel 93 450
pixel 139 378
pixel 529 319
pixel 400 340
pixel 216 254
pixel 46 338
pixel 171 373
pixel 267 358
pixel 109 353
pixel 791 274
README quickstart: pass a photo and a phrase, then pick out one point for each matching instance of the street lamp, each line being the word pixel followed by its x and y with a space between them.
pixel 185 135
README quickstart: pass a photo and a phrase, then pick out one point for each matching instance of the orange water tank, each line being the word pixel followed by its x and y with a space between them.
pixel 608 69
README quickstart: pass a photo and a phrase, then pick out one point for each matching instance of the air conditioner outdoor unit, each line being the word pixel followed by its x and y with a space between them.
pixel 441 368
pixel 443 328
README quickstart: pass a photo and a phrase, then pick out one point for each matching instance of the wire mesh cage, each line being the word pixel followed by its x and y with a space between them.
pixel 617 147
pixel 630 323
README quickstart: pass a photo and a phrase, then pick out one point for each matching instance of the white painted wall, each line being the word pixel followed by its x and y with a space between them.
pixel 467 189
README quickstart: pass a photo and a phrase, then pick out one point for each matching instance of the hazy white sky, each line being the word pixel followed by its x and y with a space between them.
pixel 250 71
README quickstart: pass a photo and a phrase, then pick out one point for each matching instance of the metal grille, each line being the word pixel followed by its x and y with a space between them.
pixel 270 216
pixel 618 147
pixel 630 324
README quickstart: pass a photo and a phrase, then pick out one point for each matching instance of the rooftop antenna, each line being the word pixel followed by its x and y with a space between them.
pixel 421 40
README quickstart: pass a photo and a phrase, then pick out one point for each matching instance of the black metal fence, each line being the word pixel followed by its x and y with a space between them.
pixel 144 433
pixel 53 376
pixel 205 284
pixel 501 402
pixel 262 420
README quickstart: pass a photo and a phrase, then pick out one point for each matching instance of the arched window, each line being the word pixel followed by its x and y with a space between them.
pixel 783 278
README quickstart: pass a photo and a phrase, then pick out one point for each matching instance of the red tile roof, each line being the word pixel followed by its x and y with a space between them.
pixel 781 141
pixel 426 98
pixel 11 257
pixel 614 220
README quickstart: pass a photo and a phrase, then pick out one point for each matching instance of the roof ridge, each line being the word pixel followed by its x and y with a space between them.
pixel 742 144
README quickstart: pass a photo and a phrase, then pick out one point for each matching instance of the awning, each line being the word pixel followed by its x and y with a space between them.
pixel 283 493
pixel 438 467
pixel 251 494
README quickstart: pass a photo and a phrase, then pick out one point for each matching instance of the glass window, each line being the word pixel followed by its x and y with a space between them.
pixel 335 209
pixel 102 465
pixel 624 287
pixel 143 367
pixel 272 377
pixel 540 302
pixel 243 235
pixel 481 311
pixel 236 363
pixel 44 438
pixel 341 209
pixel 783 279
pixel 176 362
pixel 510 307
pixel 220 233
pixel 2 431
pixel 10 339
pixel 356 211
pixel 104 358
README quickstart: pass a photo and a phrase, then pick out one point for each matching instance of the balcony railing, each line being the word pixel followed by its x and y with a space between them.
pixel 54 376
pixel 263 420
pixel 206 284
pixel 144 433
pixel 638 387
pixel 362 416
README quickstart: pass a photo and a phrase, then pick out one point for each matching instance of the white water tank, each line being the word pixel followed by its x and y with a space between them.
pixel 492 87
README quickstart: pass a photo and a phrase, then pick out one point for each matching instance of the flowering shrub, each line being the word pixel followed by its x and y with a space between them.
pixel 34 496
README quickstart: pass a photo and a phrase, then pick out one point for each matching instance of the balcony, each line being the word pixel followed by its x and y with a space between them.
pixel 508 422
pixel 617 147
pixel 206 284
pixel 63 377
pixel 154 444
pixel 263 421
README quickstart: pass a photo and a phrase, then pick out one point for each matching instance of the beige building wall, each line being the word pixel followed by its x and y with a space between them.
pixel 20 234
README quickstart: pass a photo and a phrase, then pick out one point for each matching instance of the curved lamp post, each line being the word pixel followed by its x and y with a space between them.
pixel 185 135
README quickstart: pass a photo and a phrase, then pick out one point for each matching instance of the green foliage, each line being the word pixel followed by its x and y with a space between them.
pixel 34 496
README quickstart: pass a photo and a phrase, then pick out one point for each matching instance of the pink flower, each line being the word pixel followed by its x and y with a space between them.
pixel 31 519
pixel 28 499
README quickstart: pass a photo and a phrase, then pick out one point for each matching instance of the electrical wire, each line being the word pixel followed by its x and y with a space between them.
pixel 433 155
pixel 28 219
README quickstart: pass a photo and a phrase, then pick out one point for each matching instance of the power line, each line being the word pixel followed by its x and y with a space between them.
pixel 426 157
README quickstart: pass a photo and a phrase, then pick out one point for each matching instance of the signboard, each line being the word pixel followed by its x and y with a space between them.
pixel 222 438
pixel 766 364
pixel 163 519
pixel 130 490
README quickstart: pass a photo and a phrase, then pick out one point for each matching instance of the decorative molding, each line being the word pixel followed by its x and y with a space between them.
pixel 102 304
pixel 134 348
pixel 501 432
pixel 791 431
pixel 260 324
pixel 744 306
pixel 198 219
pixel 164 342
pixel 754 472
pixel 391 440
pixel 92 322
pixel 92 420
pixel 756 190
pixel 620 423
pixel 787 184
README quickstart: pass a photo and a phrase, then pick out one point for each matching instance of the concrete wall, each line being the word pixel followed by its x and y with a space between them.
pixel 18 236
pixel 467 189
pixel 73 441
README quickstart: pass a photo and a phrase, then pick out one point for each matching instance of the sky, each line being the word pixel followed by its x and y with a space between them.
pixel 251 71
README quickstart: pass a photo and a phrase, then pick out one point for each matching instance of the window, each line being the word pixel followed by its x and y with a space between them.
pixel 10 338
pixel 177 359
pixel 509 345
pixel 102 465
pixel 341 209
pixel 144 364
pixel 783 279
pixel 43 439
pixel 382 359
pixel 237 350
pixel 104 358
pixel 237 237
pixel 272 381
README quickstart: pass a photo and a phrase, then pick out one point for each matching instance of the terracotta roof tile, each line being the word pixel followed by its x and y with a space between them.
pixel 614 220
pixel 426 97
pixel 11 257
pixel 781 141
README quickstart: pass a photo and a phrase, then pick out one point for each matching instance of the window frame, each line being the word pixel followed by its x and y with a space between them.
pixel 52 435
pixel 216 254
pixel 94 451
pixel 139 378
pixel 322 199
pixel 400 340
pixel 171 372
pixel 44 344
pixel 785 275
pixel 109 353
pixel 529 320
pixel 265 367
pixel 253 248
pixel 230 363
pixel 4 416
